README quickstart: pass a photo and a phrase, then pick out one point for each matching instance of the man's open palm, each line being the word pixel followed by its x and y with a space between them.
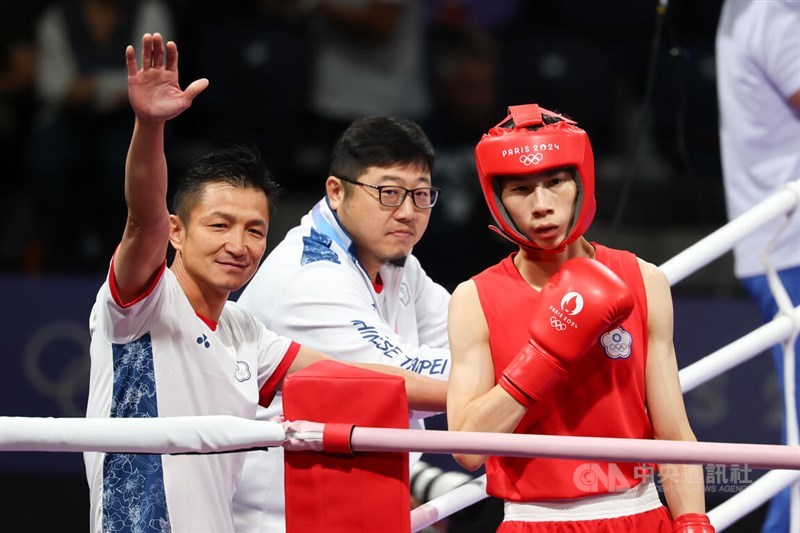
pixel 154 92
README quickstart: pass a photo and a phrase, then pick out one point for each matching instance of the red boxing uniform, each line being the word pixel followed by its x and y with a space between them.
pixel 569 382
pixel 602 395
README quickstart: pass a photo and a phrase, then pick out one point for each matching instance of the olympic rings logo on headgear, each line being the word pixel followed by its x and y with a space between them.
pixel 531 159
pixel 557 324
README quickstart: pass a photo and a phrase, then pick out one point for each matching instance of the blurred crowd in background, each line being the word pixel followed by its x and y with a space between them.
pixel 288 75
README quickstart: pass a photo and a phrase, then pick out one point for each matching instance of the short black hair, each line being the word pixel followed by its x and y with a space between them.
pixel 380 141
pixel 237 165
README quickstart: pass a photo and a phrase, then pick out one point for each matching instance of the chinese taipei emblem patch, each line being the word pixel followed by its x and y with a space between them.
pixel 617 343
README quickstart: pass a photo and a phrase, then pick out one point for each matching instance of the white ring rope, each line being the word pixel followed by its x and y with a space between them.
pixel 767 456
pixel 451 502
pixel 211 434
pixel 785 308
pixel 723 240
pixel 179 434
pixel 745 502
pixel 739 351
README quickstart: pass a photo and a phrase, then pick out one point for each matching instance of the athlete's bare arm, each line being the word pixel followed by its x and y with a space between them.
pixel 155 97
pixel 474 401
pixel 683 484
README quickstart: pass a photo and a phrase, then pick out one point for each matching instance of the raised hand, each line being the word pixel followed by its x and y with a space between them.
pixel 153 91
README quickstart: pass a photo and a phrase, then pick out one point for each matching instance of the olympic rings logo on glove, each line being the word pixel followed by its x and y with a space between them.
pixel 557 324
pixel 531 159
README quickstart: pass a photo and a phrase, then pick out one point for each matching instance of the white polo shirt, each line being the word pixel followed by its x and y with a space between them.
pixel 155 357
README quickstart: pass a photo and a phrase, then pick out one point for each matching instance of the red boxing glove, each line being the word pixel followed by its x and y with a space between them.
pixel 580 302
pixel 692 523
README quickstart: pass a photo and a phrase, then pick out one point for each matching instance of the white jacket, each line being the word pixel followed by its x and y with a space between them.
pixel 312 289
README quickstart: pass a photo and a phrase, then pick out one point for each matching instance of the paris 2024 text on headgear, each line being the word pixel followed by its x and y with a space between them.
pixel 533 139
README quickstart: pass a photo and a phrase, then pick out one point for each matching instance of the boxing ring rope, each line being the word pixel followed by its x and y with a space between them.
pixel 767 456
pixel 724 239
pixel 178 434
pixel 213 434
pixel 676 269
pixel 739 351
pixel 731 510
pixel 221 433
pixel 457 499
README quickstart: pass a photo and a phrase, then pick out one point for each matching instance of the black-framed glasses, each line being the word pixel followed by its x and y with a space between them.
pixel 394 195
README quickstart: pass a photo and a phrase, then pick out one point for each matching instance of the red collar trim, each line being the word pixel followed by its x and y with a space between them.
pixel 378 284
pixel 210 323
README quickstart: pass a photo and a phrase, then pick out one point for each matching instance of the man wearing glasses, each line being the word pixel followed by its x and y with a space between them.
pixel 345 280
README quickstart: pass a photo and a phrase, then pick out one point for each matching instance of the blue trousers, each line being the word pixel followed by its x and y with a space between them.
pixel 777 519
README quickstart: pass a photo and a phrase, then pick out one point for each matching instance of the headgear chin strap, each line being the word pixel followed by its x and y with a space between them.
pixel 532 139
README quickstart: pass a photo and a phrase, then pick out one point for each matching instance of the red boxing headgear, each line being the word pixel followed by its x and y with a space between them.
pixel 526 142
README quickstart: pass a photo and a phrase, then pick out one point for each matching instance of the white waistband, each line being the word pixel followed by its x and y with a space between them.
pixel 641 498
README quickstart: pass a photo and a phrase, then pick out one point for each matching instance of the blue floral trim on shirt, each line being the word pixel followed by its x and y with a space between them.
pixel 133 484
pixel 317 247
